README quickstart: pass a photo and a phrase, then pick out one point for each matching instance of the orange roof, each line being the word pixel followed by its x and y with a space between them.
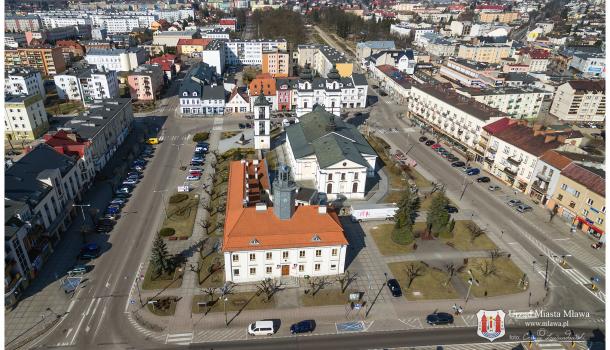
pixel 202 42
pixel 555 159
pixel 247 228
pixel 266 81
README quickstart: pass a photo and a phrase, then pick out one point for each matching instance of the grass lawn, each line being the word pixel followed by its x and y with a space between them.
pixel 392 197
pixel 181 216
pixel 161 282
pixel 430 285
pixel 462 241
pixel 59 107
pixel 166 306
pixel 418 178
pixel 425 203
pixel 326 297
pixel 214 280
pixel 237 301
pixel 504 281
pixel 382 236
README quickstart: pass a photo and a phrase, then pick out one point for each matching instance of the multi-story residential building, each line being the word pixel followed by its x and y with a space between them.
pixel 228 23
pixel 442 47
pixel 71 49
pixel 333 154
pixel 214 55
pixel 121 24
pixel 191 47
pixel 105 125
pixel 120 60
pixel 414 30
pixel 456 117
pixel 145 82
pixel 87 84
pixel 170 64
pixel 403 60
pixel 397 84
pixel 460 28
pixel 216 33
pixel 171 38
pixel 25 117
pixel 327 58
pixel 250 52
pixel 201 92
pixel 513 150
pixel 53 20
pixel 537 60
pixel 546 176
pixel 502 17
pixel 99 33
pixel 23 80
pixel 471 74
pixel 580 100
pixel 313 242
pixel 590 65
pixel 518 103
pixel 486 53
pixel 48 60
pixel 580 197
pixel 97 44
pixel 305 54
pixel 276 63
pixel 40 190
pixel 367 48
pixel 265 84
pixel 15 40
pixel 285 89
pixel 22 23
pixel 73 145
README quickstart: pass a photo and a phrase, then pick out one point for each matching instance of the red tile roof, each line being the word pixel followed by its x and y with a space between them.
pixel 588 85
pixel 497 126
pixel 203 41
pixel 245 225
pixel 536 54
pixel 525 138
pixel 591 178
pixel 228 21
pixel 555 159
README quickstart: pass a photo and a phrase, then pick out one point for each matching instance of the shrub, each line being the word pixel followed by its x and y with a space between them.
pixel 201 136
pixel 178 197
pixel 402 236
pixel 167 231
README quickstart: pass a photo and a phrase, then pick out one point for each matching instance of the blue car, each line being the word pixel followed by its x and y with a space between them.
pixel 473 171
pixel 303 327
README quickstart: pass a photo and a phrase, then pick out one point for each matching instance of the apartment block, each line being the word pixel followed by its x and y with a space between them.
pixel 120 60
pixel 276 63
pixel 518 103
pixel 580 100
pixel 48 60
pixel 486 53
pixel 25 117
pixel 23 80
pixel 250 52
pixel 145 82
pixel 87 84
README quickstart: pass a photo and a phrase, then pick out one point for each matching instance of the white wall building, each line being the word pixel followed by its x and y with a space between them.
pixel 87 84
pixel 580 100
pixel 120 60
pixel 518 103
pixel 23 80
pixel 589 64
pixel 25 117
pixel 250 52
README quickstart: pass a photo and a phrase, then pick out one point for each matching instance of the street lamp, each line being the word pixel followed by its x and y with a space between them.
pixel 225 299
pixel 471 281
pixel 163 199
pixel 546 271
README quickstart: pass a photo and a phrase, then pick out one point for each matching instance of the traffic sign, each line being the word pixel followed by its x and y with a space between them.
pixel 132 301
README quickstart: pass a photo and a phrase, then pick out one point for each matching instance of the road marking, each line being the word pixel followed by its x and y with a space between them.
pixel 97 303
pixel 108 281
pixel 561 239
pixel 71 305
pixel 179 339
pixel 101 319
pixel 69 331
pixel 133 285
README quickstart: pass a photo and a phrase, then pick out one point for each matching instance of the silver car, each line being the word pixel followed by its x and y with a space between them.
pixel 524 208
pixel 514 202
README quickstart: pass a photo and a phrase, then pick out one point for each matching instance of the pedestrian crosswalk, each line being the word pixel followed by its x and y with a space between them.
pixel 218 124
pixel 219 335
pixel 178 138
pixel 579 252
pixel 600 270
pixel 461 321
pixel 146 332
pixel 179 338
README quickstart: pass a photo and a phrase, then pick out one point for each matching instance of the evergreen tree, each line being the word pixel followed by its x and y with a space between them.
pixel 438 217
pixel 405 218
pixel 160 259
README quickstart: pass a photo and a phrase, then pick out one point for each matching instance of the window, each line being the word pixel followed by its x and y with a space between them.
pixel 268 269
pixel 235 257
pixel 576 194
pixel 564 187
pixel 559 197
pixel 253 270
pixel 342 176
pixel 318 253
pixel 590 202
pixel 285 255
pixel 235 271
pixel 333 267
pixel 355 176
pixel 316 267
pixel 572 204
pixel 252 256
pixel 585 212
pixel 269 255
pixel 301 268
pixel 301 254
pixel 330 177
pixel 600 221
pixel 334 252
pixel 603 210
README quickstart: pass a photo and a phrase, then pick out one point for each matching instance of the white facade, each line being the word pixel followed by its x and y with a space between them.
pixel 256 265
pixel 237 104
pixel 215 57
pixel 508 158
pixel 262 125
pixel 518 103
pixel 116 59
pixel 250 52
pixel 25 117
pixel 87 85
pixel 590 65
pixel 19 81
pixel 332 94
pixel 580 103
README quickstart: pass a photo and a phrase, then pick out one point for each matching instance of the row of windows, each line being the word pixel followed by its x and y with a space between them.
pixel 269 269
pixel 285 254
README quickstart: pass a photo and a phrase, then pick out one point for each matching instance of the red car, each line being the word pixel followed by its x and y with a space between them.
pixel 436 145
pixel 195 173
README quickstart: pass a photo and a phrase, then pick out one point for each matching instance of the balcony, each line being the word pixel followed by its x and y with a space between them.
pixel 513 161
pixel 489 160
pixel 510 171
pixel 543 177
pixel 540 187
pixel 492 150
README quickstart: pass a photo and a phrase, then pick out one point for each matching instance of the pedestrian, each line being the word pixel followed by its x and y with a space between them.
pixel 460 310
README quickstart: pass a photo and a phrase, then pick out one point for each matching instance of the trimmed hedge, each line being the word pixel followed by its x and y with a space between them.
pixel 167 232
pixel 201 136
pixel 178 197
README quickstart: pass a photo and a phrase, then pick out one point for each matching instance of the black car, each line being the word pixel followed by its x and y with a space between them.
pixel 430 142
pixel 423 139
pixel 383 93
pixel 483 179
pixel 303 327
pixel 451 209
pixel 458 164
pixel 122 195
pixel 242 125
pixel 106 222
pixel 439 318
pixel 453 159
pixel 394 288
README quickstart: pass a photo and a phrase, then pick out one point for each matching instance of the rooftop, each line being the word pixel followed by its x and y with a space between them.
pixel 592 178
pixel 92 121
pixel 525 138
pixel 555 159
pixel 588 85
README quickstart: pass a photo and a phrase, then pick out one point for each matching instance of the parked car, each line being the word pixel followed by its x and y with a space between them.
pixel 193 178
pixel 494 188
pixel 89 251
pixel 201 149
pixel 78 269
pixel 382 93
pixel 524 208
pixel 137 167
pixel 483 179
pixel 439 318
pixel 423 139
pixel 307 326
pixel 453 159
pixel 429 143
pixel 107 222
pixel 121 195
pixel 597 245
pixel 242 125
pixel 196 163
pixel 451 209
pixel 134 174
pixel 446 155
pixel 440 150
pixel 394 287
pixel 130 182
pixel 514 202
pixel 124 189
pixel 118 201
pixel 458 164
pixel 473 171
pixel 261 328
pixel 435 146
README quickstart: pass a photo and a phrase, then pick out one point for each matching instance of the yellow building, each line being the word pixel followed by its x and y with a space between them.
pixel 25 117
pixel 49 60
pixel 276 63
pixel 502 17
pixel 580 198
pixel 484 53
pixel 188 47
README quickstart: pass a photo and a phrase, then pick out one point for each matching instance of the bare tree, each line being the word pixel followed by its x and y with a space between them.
pixel 450 269
pixel 205 224
pixel 413 270
pixel 268 287
pixel 495 253
pixel 475 231
pixel 346 279
pixel 209 292
pixel 437 187
pixel 317 284
pixel 487 267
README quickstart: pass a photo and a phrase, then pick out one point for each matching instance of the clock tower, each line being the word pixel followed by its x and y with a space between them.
pixel 262 123
pixel 284 194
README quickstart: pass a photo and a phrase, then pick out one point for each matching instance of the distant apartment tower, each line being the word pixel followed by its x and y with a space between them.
pixel 48 60
pixel 120 60
pixel 25 117
pixel 21 23
pixel 580 100
pixel 22 80
pixel 87 84
pixel 145 82
pixel 276 63
pixel 250 52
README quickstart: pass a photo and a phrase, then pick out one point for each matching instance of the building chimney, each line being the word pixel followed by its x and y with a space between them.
pixel 550 138
pixel 322 209
pixel 71 136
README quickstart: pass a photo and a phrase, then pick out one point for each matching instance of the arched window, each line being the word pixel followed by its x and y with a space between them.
pixel 329 188
pixel 355 187
pixel 194 93
pixel 185 93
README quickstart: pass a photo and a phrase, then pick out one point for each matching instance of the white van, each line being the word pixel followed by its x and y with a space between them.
pixel 261 328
